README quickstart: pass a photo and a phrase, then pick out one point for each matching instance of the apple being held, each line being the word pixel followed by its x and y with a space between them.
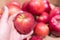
pixel 41 29
pixel 55 25
pixel 36 7
pixel 44 17
pixel 24 22
pixel 14 7
pixel 55 11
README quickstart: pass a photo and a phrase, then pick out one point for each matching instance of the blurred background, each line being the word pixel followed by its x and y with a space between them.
pixel 54 2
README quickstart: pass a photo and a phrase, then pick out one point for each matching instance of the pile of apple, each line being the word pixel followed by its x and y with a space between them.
pixel 36 15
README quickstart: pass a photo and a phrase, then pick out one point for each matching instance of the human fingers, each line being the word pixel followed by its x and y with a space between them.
pixel 4 27
pixel 14 34
pixel 5 14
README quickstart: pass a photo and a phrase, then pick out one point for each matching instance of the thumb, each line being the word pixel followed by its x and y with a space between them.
pixel 4 27
pixel 5 14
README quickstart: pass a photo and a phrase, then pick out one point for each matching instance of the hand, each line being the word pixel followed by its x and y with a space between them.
pixel 4 32
pixel 7 30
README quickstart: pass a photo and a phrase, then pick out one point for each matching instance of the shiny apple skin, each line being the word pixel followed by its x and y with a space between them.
pixel 41 29
pixel 14 7
pixel 35 37
pixel 36 7
pixel 44 17
pixel 24 22
pixel 13 3
pixel 55 11
pixel 54 25
pixel 24 6
pixel 47 6
pixel 13 10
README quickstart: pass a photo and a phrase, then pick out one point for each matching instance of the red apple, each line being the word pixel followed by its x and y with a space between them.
pixel 47 6
pixel 36 7
pixel 44 17
pixel 13 3
pixel 24 22
pixel 14 7
pixel 35 37
pixel 24 6
pixel 41 29
pixel 55 25
pixel 55 11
